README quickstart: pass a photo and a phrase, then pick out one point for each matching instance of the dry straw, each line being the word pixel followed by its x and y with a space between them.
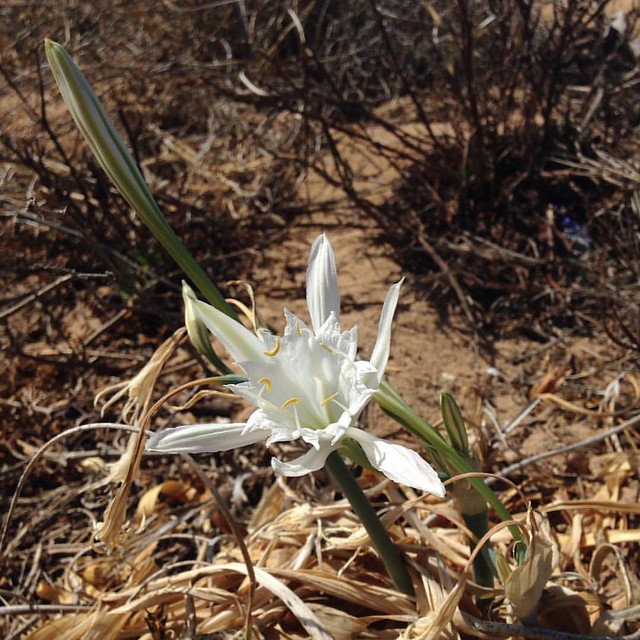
pixel 317 575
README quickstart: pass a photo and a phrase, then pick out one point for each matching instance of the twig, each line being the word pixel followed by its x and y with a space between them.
pixel 453 281
pixel 21 609
pixel 407 86
pixel 512 424
pixel 631 613
pixel 38 454
pixel 237 533
pixel 34 296
pixel 570 447
pixel 26 218
pixel 504 630
pixel 105 327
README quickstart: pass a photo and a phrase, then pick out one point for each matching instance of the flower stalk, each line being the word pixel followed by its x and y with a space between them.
pixel 388 551
pixel 471 505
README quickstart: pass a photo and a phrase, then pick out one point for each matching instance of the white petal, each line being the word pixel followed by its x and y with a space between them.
pixel 246 390
pixel 294 325
pixel 279 431
pixel 274 382
pixel 312 460
pixel 196 438
pixel 330 435
pixel 398 463
pixel 322 283
pixel 380 353
pixel 236 339
pixel 349 343
pixel 344 342
pixel 259 421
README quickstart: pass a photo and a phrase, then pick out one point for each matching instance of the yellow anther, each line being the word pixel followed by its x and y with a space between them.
pixel 289 402
pixel 274 350
pixel 324 346
pixel 326 401
pixel 298 329
pixel 267 384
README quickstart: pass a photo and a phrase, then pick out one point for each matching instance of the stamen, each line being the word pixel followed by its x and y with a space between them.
pixel 275 349
pixel 289 402
pixel 324 346
pixel 267 384
pixel 298 330
pixel 326 401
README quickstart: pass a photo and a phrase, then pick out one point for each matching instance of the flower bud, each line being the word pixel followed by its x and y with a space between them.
pixel 454 423
pixel 196 329
pixel 112 154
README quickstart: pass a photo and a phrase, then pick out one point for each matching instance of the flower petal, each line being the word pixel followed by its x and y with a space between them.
pixel 279 430
pixel 312 460
pixel 380 353
pixel 398 463
pixel 197 438
pixel 323 297
pixel 236 339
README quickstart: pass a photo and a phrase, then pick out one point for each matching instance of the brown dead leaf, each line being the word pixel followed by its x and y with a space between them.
pixel 525 584
pixel 139 392
pixel 151 501
pixel 98 625
pixel 550 382
pixel 566 610
pixel 433 625
pixel 54 593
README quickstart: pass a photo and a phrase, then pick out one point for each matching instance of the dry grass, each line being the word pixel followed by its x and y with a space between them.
pixel 177 569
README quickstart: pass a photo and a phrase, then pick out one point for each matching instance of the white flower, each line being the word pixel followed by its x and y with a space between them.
pixel 307 385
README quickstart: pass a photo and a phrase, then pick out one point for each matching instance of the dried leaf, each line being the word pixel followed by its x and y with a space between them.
pixel 148 504
pixel 433 625
pixel 140 391
pixel 564 610
pixel 98 625
pixel 524 586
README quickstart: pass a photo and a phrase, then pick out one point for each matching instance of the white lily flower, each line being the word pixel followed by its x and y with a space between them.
pixel 307 385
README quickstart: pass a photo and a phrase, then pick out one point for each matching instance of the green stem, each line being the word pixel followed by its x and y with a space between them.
pixel 392 403
pixel 483 567
pixel 381 541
